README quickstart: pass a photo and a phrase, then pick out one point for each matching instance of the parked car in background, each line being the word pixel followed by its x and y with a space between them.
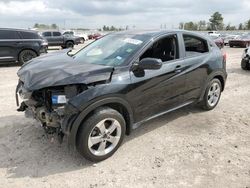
pixel 117 83
pixel 82 36
pixel 227 37
pixel 245 62
pixel 241 41
pixel 214 33
pixel 94 36
pixel 218 41
pixel 55 38
pixel 20 45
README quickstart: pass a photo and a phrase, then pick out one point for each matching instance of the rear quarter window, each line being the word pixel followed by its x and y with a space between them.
pixel 29 35
pixel 7 34
pixel 195 45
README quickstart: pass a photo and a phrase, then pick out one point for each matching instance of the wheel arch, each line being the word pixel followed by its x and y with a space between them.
pixel 220 75
pixel 70 40
pixel 119 104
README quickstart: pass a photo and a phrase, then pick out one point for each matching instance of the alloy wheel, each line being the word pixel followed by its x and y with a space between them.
pixel 104 137
pixel 213 94
pixel 28 56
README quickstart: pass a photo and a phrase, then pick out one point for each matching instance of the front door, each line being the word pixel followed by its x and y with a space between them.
pixel 159 90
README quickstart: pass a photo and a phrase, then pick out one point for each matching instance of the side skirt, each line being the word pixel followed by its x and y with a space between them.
pixel 136 125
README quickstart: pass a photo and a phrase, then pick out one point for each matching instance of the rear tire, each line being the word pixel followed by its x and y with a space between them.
pixel 82 40
pixel 69 44
pixel 25 56
pixel 101 134
pixel 212 95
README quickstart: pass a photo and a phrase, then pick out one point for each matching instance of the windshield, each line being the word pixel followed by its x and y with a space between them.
pixel 244 37
pixel 111 50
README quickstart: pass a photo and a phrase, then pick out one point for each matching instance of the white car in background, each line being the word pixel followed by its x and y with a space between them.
pixel 214 33
pixel 83 36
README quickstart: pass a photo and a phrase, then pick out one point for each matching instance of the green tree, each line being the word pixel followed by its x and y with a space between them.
pixel 241 27
pixel 54 26
pixel 230 28
pixel 216 21
pixel 202 24
pixel 191 26
pixel 248 25
pixel 181 25
pixel 36 25
pixel 112 28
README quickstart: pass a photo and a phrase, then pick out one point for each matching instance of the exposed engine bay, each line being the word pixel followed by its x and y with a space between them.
pixel 47 105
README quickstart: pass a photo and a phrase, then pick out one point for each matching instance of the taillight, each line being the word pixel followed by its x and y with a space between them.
pixel 224 56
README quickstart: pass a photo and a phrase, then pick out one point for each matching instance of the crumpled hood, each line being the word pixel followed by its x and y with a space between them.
pixel 57 69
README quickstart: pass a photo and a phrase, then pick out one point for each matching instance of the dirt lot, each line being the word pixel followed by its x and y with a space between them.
pixel 186 148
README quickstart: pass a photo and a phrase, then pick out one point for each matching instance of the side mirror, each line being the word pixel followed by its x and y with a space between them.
pixel 150 64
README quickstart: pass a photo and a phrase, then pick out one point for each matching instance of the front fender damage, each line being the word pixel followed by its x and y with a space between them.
pixel 52 105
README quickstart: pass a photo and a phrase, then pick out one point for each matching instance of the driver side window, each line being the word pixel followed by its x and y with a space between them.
pixel 165 49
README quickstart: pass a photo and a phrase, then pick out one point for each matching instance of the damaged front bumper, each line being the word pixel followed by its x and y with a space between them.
pixel 50 108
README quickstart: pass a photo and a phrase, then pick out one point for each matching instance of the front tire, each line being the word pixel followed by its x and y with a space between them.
pixel 212 95
pixel 245 65
pixel 101 134
pixel 25 56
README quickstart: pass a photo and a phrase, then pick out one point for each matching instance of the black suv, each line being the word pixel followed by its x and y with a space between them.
pixel 245 62
pixel 55 38
pixel 20 45
pixel 118 82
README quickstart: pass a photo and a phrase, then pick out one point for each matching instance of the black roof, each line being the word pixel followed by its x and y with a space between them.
pixel 14 29
pixel 154 33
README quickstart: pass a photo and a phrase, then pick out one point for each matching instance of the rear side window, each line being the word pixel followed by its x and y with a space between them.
pixel 46 34
pixel 5 34
pixel 56 34
pixel 29 35
pixel 194 45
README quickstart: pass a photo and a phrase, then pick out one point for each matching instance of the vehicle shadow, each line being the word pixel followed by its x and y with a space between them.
pixel 9 64
pixel 27 151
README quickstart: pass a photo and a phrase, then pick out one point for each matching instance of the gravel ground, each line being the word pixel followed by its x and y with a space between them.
pixel 186 148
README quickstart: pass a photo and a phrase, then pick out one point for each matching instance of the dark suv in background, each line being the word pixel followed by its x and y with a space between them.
pixel 20 45
pixel 55 38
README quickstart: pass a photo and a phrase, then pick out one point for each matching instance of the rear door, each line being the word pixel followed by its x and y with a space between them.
pixel 57 38
pixel 197 56
pixel 9 42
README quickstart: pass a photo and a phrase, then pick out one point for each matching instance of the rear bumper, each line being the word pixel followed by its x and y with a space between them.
pixel 77 42
pixel 239 44
pixel 43 49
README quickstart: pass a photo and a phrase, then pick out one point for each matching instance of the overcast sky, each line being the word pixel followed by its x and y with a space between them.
pixel 96 13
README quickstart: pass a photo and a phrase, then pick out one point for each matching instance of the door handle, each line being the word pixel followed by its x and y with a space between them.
pixel 178 69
